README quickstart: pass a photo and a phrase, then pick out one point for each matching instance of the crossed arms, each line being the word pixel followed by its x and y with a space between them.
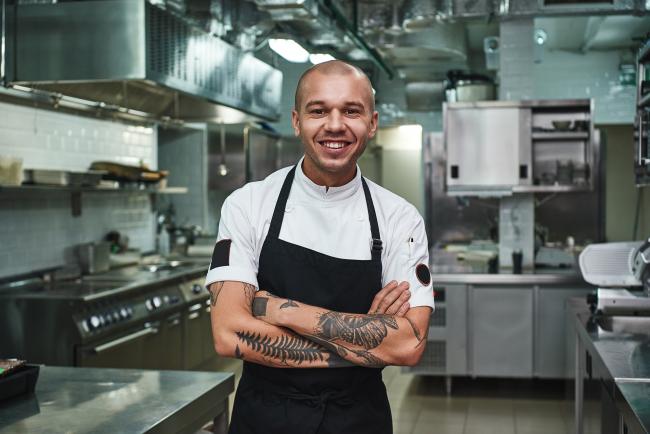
pixel 262 328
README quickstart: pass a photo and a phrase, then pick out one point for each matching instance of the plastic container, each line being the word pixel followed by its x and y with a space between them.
pixel 11 170
pixel 21 381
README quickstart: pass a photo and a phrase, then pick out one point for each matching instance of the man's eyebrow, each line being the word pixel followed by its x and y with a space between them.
pixel 316 102
pixel 347 104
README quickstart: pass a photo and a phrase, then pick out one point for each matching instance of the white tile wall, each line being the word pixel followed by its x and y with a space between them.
pixel 564 74
pixel 37 227
pixel 52 140
pixel 184 153
pixel 516 60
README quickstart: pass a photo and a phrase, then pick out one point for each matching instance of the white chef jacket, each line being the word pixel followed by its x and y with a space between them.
pixel 333 221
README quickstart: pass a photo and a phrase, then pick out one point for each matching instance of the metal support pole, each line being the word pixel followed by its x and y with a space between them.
pixel 579 385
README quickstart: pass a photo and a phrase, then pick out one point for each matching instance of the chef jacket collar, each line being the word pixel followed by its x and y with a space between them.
pixel 323 193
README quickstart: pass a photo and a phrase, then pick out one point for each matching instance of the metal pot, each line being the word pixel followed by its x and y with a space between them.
pixel 463 86
pixel 94 257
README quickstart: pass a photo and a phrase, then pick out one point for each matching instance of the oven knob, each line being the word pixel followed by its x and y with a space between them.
pixel 129 310
pixel 197 289
pixel 85 324
pixel 108 318
pixel 174 299
pixel 148 304
pixel 94 322
pixel 124 313
pixel 157 302
pixel 116 316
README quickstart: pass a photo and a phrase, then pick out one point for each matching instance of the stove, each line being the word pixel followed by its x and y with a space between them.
pixel 128 318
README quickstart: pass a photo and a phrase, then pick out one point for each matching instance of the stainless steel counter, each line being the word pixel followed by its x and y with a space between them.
pixel 555 277
pixel 84 400
pixel 623 359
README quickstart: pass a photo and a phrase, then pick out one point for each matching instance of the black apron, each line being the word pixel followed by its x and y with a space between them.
pixel 314 400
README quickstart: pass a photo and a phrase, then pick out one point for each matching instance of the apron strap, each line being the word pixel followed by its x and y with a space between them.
pixel 374 227
pixel 280 205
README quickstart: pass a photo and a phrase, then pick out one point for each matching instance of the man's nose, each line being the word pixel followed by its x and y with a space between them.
pixel 334 121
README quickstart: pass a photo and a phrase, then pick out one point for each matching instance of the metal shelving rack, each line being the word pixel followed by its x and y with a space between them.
pixel 77 191
pixel 642 118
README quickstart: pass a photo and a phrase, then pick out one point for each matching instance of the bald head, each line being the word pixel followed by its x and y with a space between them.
pixel 332 67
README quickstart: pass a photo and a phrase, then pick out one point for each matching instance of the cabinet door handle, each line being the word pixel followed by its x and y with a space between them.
pixel 124 339
pixel 193 315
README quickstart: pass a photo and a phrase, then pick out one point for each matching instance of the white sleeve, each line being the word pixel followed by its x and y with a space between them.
pixel 408 258
pixel 234 256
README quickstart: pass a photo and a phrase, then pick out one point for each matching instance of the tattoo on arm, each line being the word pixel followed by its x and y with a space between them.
pixel 367 331
pixel 288 303
pixel 215 289
pixel 417 333
pixel 238 352
pixel 369 360
pixel 286 348
pixel 259 306
pixel 249 293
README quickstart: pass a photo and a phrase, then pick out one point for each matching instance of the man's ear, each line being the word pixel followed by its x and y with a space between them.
pixel 373 124
pixel 295 122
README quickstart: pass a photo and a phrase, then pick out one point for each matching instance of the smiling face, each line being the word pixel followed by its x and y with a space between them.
pixel 334 118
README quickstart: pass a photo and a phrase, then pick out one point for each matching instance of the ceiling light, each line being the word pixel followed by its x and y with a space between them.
pixel 289 50
pixel 317 58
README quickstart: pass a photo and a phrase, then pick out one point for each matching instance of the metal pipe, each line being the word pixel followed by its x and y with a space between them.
pixel 350 31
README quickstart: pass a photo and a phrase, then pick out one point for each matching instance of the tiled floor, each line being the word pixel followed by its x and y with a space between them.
pixel 420 405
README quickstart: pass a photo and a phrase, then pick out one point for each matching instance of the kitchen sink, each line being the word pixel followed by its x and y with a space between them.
pixel 624 324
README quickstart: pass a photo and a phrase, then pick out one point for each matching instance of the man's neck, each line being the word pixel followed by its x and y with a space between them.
pixel 325 179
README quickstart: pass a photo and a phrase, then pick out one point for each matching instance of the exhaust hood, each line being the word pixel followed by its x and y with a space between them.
pixel 132 54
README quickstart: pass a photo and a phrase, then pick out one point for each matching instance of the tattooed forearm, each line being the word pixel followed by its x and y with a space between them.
pixel 363 357
pixel 286 348
pixel 215 289
pixel 367 331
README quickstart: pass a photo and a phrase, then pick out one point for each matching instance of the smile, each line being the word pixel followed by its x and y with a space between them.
pixel 333 144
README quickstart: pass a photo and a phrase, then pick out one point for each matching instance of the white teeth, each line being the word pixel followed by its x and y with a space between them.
pixel 333 145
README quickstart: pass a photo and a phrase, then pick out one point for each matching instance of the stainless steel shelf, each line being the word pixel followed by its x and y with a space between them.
pixel 549 189
pixel 168 190
pixel 560 135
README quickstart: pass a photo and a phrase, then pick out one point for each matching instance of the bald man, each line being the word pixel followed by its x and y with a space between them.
pixel 304 275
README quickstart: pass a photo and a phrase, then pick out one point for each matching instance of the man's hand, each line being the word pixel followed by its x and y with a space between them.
pixel 392 299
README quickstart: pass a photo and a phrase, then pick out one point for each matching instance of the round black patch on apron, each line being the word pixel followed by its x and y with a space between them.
pixel 423 274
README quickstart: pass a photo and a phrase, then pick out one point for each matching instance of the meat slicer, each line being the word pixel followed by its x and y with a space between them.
pixel 621 272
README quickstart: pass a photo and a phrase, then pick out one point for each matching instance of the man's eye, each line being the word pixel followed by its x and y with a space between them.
pixel 316 111
pixel 351 111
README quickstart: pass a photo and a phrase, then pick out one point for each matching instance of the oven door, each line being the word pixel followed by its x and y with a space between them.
pixel 124 350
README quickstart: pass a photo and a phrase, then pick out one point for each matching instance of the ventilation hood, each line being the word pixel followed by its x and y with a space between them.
pixel 132 54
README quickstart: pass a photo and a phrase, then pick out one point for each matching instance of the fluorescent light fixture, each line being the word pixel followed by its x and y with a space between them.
pixel 289 49
pixel 317 58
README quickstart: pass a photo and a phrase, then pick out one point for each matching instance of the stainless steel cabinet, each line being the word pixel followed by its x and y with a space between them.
pixel 501 330
pixel 553 336
pixel 497 148
pixel 488 146
pixel 446 350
